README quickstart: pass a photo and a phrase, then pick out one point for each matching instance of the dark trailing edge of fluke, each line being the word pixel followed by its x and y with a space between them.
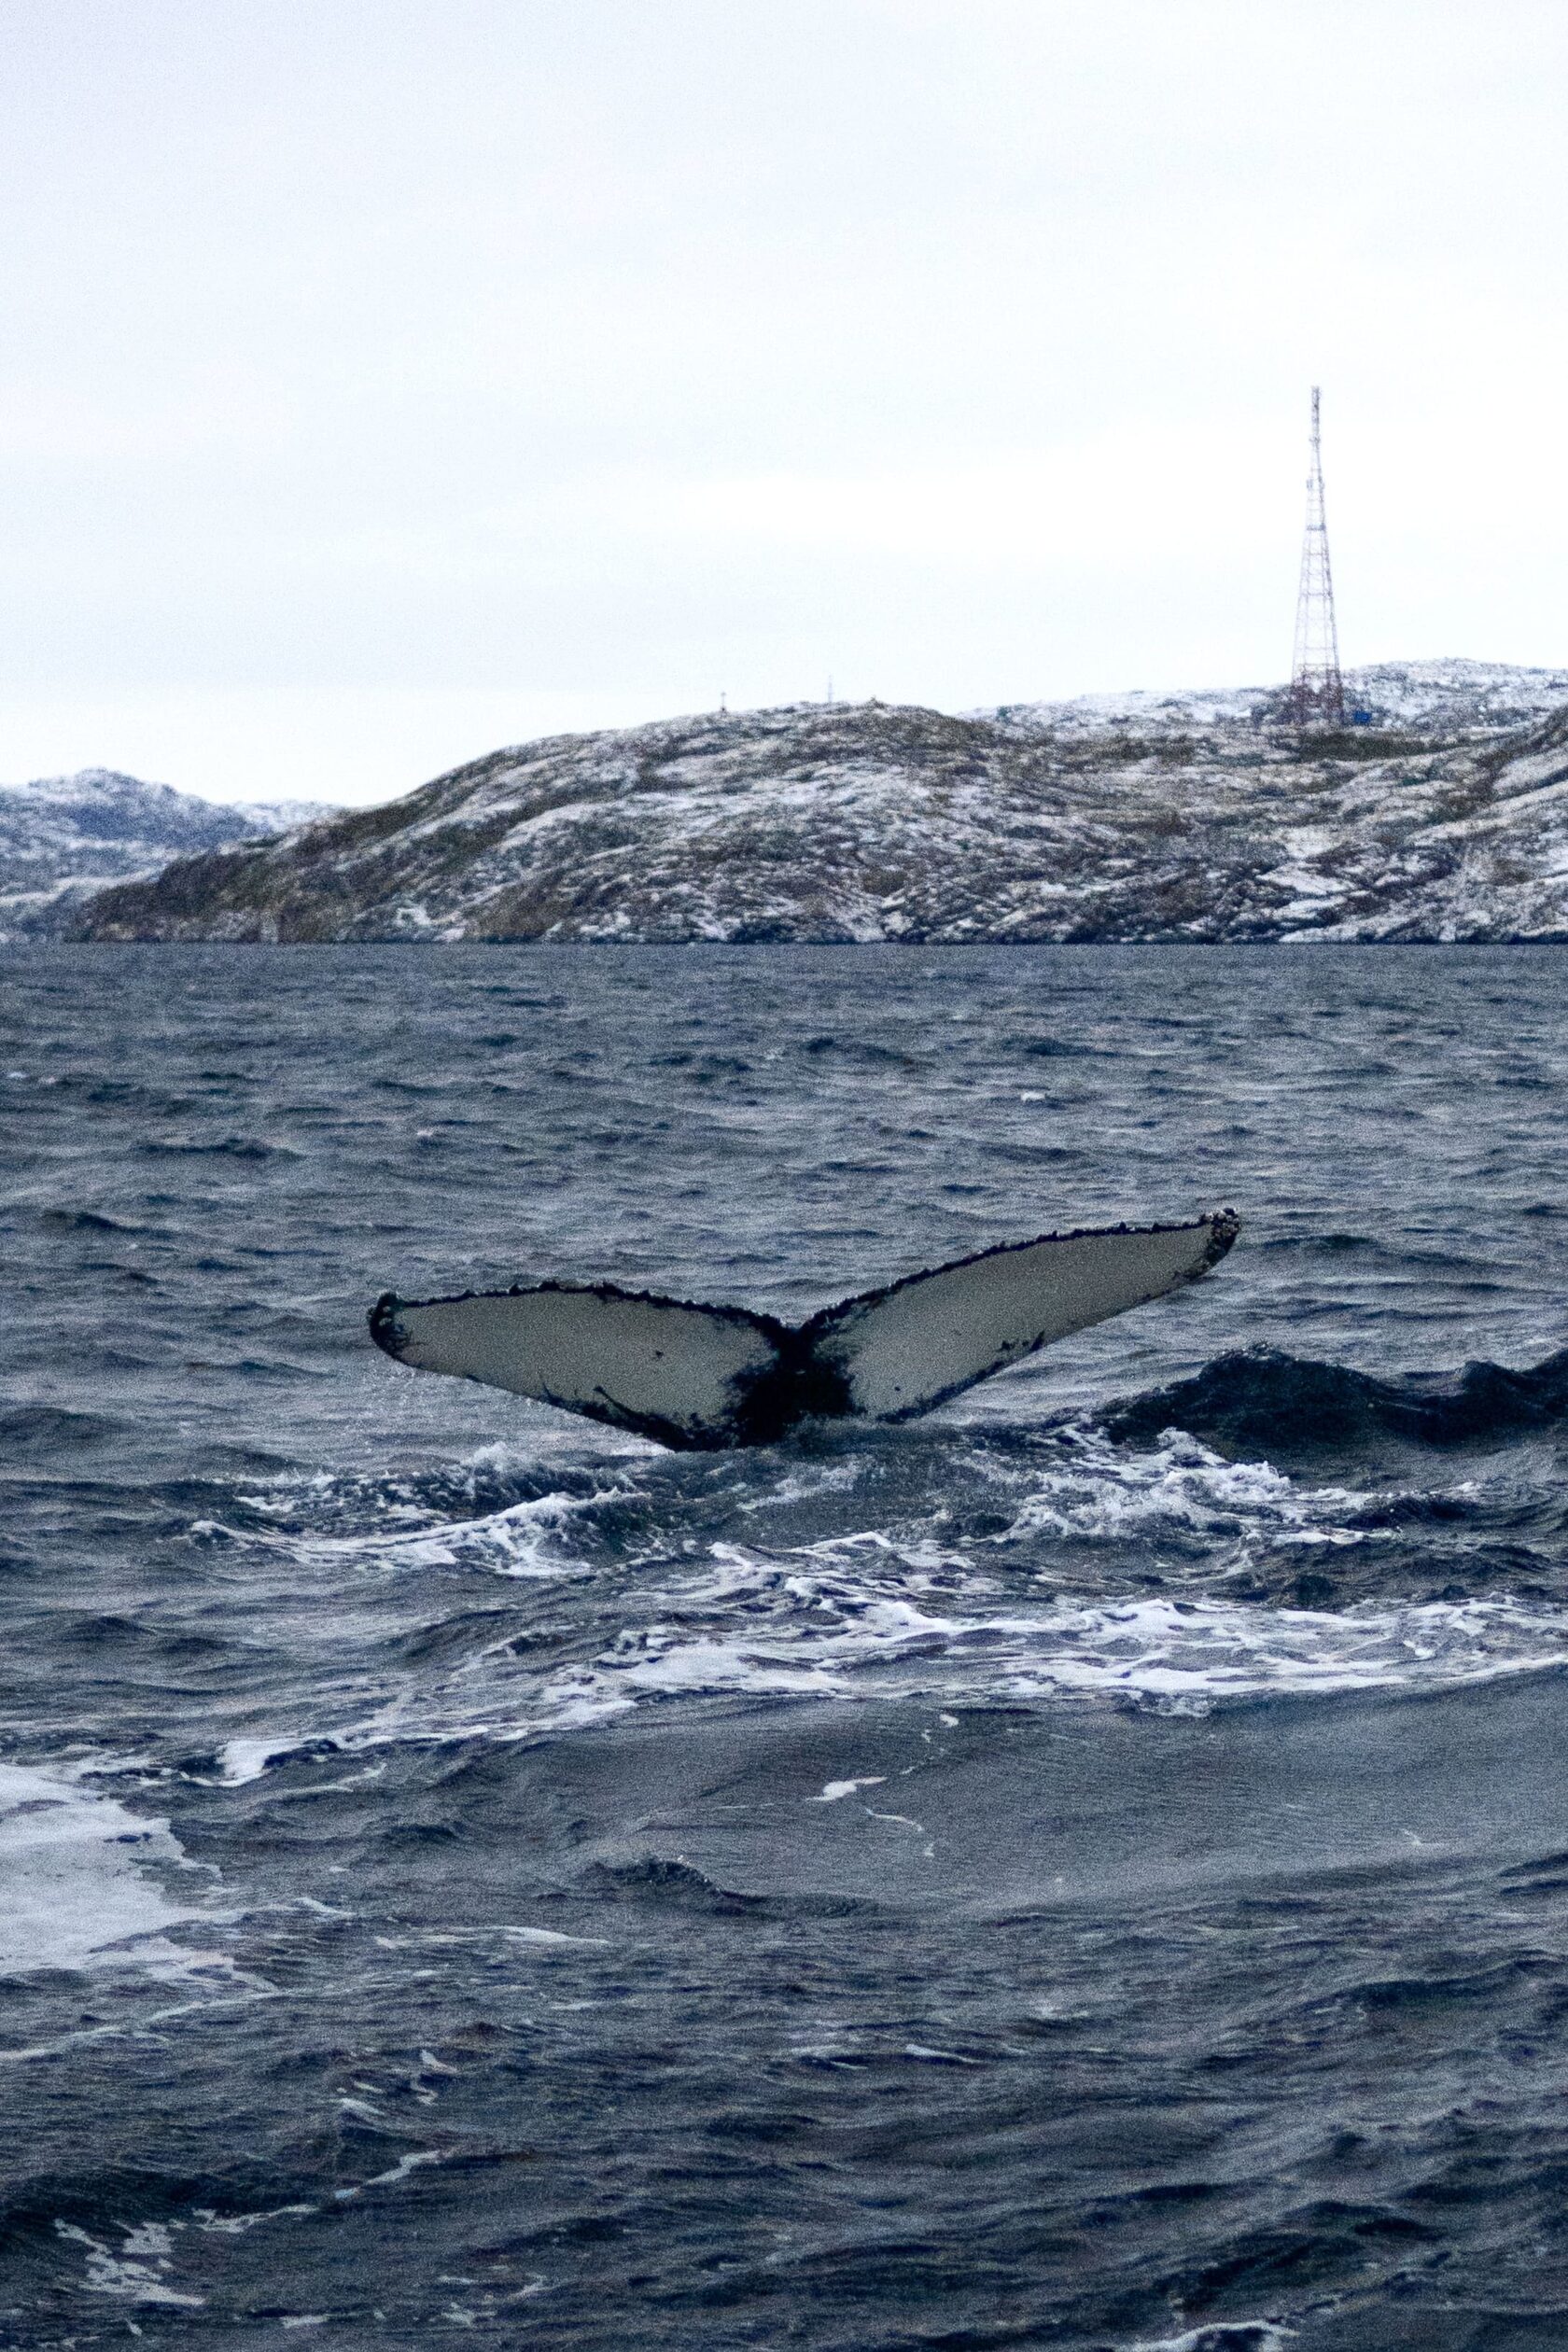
pixel 695 1375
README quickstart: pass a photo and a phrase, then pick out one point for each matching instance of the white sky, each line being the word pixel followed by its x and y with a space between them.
pixel 385 380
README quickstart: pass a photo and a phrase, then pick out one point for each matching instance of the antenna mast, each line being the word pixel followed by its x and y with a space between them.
pixel 1317 690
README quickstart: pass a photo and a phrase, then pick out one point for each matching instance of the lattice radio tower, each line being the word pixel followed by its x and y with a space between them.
pixel 1317 690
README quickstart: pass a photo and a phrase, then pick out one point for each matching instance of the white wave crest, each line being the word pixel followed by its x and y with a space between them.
pixel 77 1891
pixel 137 2269
pixel 521 1539
pixel 1002 1617
pixel 1160 1651
pixel 1104 1494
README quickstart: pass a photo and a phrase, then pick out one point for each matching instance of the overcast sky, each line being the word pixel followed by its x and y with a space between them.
pixel 385 380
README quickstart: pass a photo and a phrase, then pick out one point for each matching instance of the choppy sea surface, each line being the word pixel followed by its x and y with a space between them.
pixel 1086 1869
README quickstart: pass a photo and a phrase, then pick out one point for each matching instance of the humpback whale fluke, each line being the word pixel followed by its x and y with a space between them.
pixel 695 1375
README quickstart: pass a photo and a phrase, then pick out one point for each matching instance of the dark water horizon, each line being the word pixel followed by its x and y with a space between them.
pixel 1084 1870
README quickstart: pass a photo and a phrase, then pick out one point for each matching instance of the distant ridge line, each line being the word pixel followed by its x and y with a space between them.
pixel 880 823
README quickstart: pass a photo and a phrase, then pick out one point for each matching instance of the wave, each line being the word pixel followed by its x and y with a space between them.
pixel 48 1428
pixel 829 1637
pixel 1260 1400
pixel 85 1221
pixel 845 1622
pixel 1065 1567
pixel 78 1892
pixel 238 1147
pixel 679 1884
pixel 1192 1501
pixel 525 1536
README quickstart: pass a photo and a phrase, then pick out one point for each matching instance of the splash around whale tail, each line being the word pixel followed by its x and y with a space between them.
pixel 693 1376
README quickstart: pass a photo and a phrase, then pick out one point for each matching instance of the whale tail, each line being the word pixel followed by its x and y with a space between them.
pixel 693 1376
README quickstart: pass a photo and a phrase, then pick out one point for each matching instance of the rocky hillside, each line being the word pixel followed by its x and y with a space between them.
pixel 1452 699
pixel 64 837
pixel 865 822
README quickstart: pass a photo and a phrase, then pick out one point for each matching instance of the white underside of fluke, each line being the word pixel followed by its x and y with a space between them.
pixel 692 1375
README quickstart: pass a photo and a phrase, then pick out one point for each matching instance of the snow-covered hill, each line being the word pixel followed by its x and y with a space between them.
pixel 1452 699
pixel 865 822
pixel 63 836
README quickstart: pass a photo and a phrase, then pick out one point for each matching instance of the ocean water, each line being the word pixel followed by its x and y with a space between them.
pixel 1086 1869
